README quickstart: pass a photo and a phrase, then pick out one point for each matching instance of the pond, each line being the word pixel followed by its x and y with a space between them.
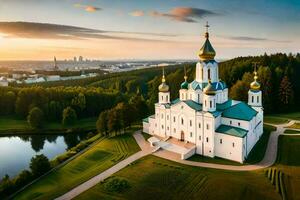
pixel 17 151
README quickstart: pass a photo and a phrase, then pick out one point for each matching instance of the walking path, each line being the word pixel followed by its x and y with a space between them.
pixel 268 160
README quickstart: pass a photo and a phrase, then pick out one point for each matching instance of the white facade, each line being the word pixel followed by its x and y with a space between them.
pixel 204 116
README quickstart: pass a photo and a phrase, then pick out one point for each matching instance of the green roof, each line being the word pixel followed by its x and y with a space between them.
pixel 240 111
pixel 233 131
pixel 224 105
pixel 193 105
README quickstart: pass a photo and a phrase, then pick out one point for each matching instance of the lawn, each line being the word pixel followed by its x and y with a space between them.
pixel 288 161
pixel 292 131
pixel 106 153
pixel 13 125
pixel 281 118
pixel 275 120
pixel 295 125
pixel 156 178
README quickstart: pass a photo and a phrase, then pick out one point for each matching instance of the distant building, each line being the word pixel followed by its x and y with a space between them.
pixel 55 64
pixel 3 81
pixel 80 59
pixel 53 78
pixel 75 59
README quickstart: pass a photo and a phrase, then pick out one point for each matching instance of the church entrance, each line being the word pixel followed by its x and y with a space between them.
pixel 182 136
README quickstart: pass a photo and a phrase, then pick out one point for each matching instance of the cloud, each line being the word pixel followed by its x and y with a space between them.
pixel 184 14
pixel 137 13
pixel 254 39
pixel 34 30
pixel 87 8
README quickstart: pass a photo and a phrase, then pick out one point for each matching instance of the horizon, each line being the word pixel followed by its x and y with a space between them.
pixel 134 30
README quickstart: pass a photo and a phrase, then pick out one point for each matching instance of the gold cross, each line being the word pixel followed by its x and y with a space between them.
pixel 207 26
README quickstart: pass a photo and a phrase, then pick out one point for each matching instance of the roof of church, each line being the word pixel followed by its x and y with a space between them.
pixel 146 120
pixel 220 85
pixel 228 109
pixel 239 111
pixel 230 130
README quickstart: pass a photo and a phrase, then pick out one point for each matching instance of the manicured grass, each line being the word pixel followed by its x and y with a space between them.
pixel 281 118
pixel 13 125
pixel 295 125
pixel 292 131
pixel 199 158
pixel 156 178
pixel 275 120
pixel 288 161
pixel 258 151
pixel 106 153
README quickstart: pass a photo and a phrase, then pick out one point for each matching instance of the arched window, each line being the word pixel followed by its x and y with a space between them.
pixel 202 73
pixel 167 98
pixel 208 74
pixel 252 99
pixel 198 97
pixel 182 121
pixel 257 99
pixel 210 104
pixel 162 98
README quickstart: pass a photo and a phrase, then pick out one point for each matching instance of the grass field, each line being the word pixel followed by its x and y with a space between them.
pixel 11 124
pixel 288 161
pixel 281 118
pixel 275 120
pixel 295 125
pixel 292 131
pixel 100 157
pixel 155 178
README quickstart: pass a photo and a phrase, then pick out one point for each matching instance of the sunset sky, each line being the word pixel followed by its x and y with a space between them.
pixel 145 29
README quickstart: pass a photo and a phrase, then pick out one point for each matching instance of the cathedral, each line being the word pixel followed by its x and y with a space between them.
pixel 203 120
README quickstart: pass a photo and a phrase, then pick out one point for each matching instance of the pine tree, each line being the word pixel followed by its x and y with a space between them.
pixel 286 93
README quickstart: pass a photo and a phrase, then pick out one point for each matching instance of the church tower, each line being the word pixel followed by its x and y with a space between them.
pixel 207 68
pixel 164 93
pixel 255 94
pixel 183 92
pixel 209 98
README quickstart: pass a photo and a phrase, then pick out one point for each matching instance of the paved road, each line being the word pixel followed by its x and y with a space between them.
pixel 268 160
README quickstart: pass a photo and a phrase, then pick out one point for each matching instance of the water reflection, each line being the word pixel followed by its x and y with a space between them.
pixel 16 151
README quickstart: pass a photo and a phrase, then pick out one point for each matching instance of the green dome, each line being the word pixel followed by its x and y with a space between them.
pixel 184 85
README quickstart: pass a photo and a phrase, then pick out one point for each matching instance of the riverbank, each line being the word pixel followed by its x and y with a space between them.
pixel 11 125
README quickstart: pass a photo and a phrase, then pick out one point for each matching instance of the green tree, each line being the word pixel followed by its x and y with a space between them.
pixel 39 165
pixel 286 93
pixel 69 116
pixel 35 117
pixel 101 123
pixel 23 178
pixel 114 123
pixel 79 101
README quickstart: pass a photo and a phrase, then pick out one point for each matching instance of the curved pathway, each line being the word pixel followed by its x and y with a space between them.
pixel 268 160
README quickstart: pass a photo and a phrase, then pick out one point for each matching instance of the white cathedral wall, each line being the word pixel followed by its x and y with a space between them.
pixel 229 147
pixel 214 76
pixel 208 134
pixel 236 123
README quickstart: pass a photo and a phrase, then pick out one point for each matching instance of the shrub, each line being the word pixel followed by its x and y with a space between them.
pixel 35 117
pixel 116 185
pixel 23 178
pixel 69 116
pixel 39 165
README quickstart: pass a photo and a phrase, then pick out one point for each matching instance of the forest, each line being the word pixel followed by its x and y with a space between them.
pixel 278 75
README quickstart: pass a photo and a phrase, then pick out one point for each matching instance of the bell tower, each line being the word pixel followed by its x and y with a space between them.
pixel 255 94
pixel 163 88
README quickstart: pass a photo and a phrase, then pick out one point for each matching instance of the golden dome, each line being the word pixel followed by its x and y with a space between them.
pixel 255 85
pixel 209 89
pixel 207 52
pixel 163 87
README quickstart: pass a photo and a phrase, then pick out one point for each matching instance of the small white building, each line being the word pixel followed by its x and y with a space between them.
pixel 3 81
pixel 204 116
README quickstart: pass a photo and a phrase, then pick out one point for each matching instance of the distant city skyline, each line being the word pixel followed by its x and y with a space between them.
pixel 150 30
